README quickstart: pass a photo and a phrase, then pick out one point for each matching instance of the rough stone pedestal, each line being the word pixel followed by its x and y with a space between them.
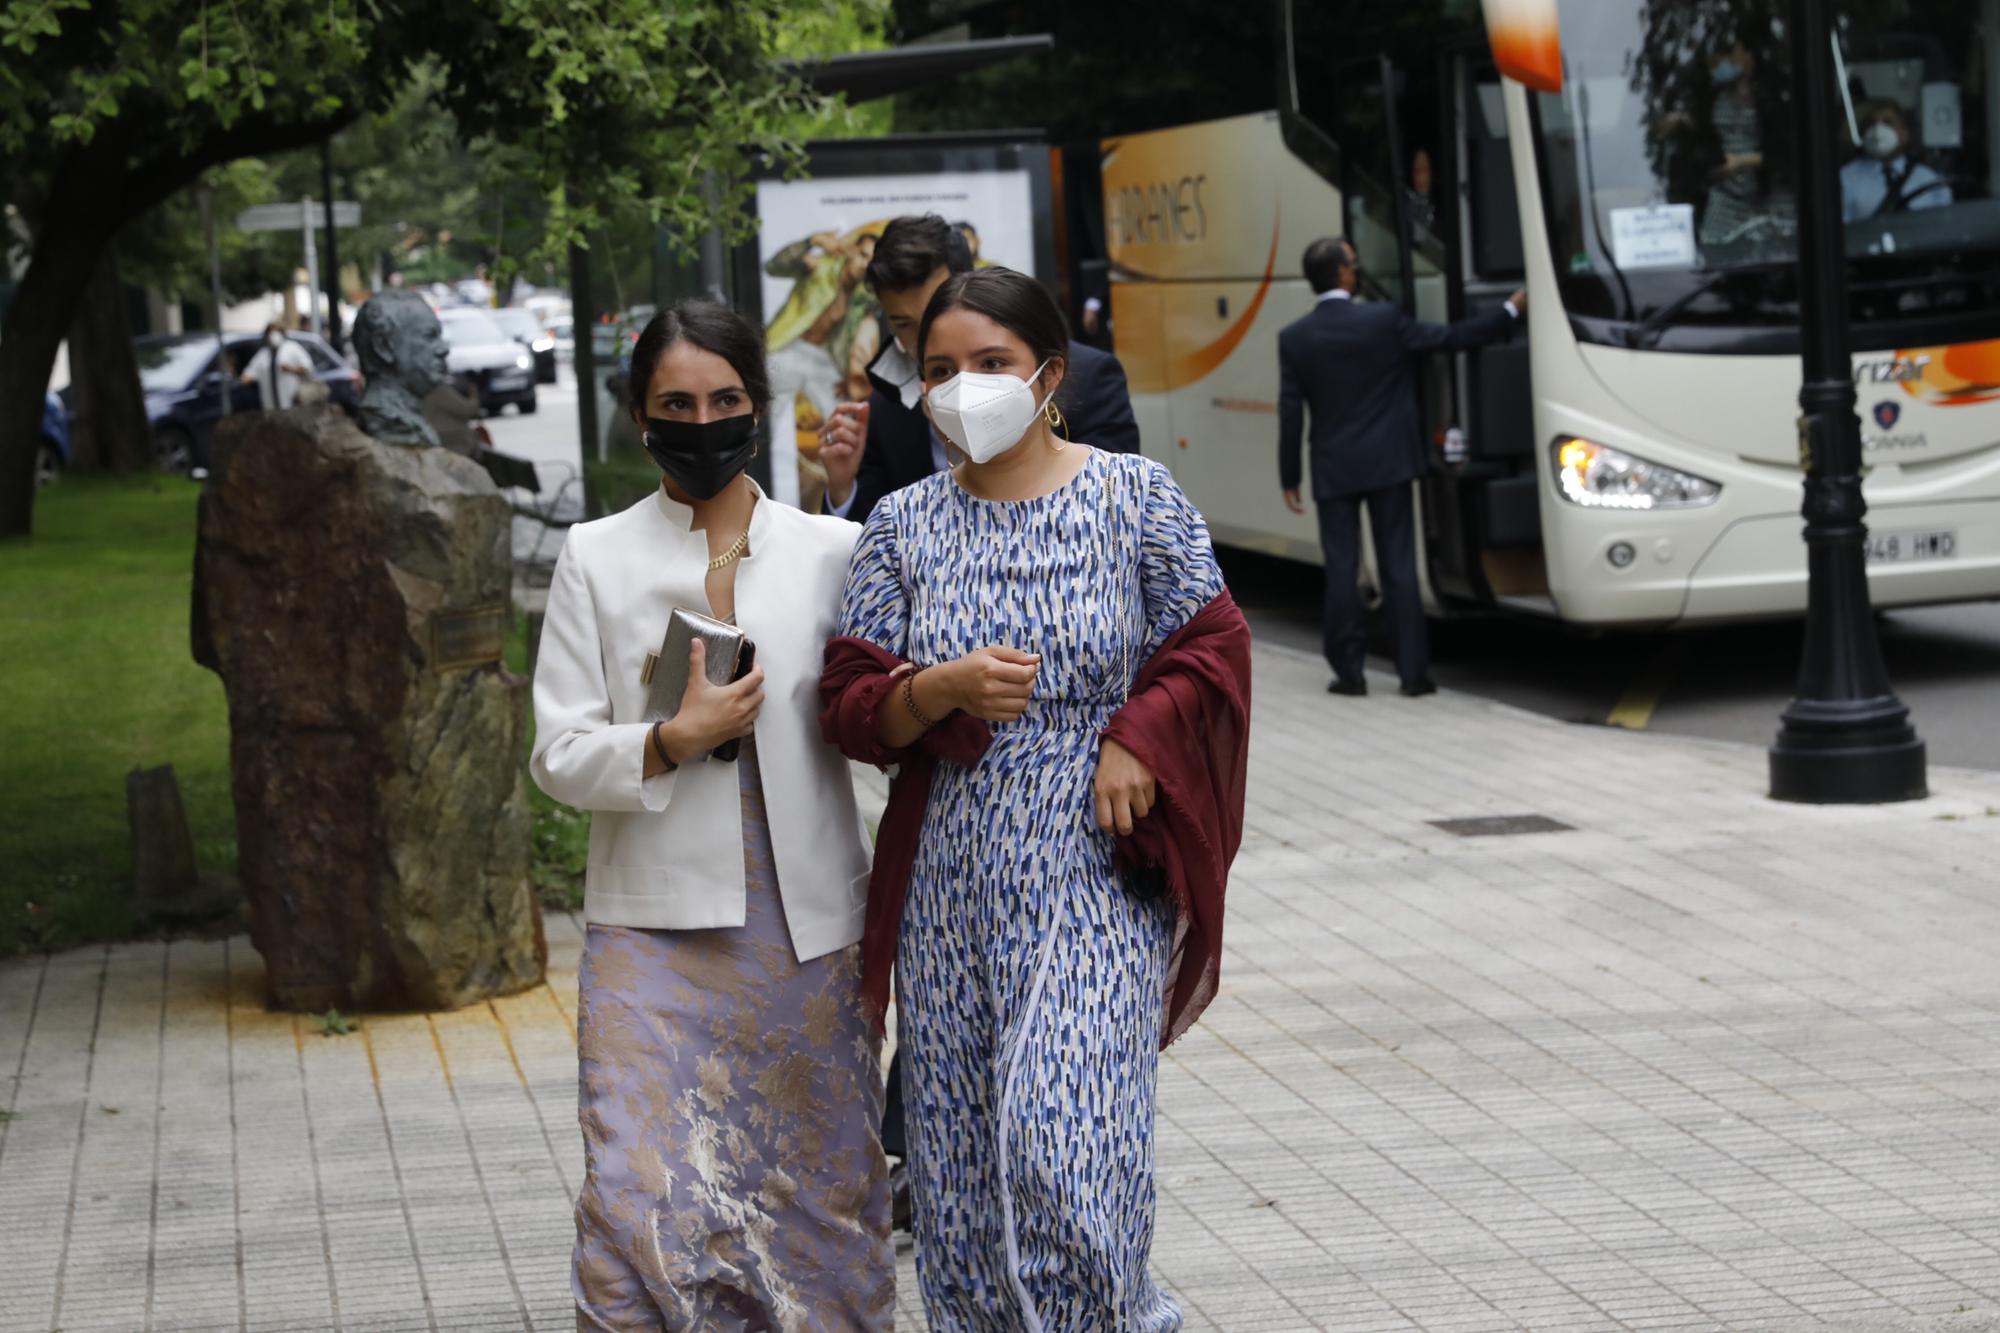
pixel 382 817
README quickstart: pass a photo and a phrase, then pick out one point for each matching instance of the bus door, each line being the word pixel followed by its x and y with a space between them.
pixel 1451 193
pixel 1358 108
pixel 1483 501
pixel 1385 122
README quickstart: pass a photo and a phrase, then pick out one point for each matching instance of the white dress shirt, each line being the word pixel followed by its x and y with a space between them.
pixel 291 356
pixel 1864 185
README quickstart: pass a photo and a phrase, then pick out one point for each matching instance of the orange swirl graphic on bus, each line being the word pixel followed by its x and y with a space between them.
pixel 1188 367
pixel 1153 328
pixel 1954 376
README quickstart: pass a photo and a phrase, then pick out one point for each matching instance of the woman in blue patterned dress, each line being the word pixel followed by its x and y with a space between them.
pixel 1030 582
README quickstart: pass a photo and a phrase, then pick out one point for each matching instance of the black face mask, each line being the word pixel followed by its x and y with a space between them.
pixel 702 456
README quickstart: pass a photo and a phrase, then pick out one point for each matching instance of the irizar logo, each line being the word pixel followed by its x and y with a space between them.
pixel 1894 370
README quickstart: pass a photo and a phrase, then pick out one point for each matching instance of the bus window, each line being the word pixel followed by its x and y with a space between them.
pixel 1669 183
pixel 1491 207
pixel 1363 121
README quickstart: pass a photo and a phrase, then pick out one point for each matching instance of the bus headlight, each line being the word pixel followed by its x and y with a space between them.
pixel 1597 476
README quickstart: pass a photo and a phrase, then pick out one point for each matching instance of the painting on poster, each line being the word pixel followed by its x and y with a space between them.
pixel 814 240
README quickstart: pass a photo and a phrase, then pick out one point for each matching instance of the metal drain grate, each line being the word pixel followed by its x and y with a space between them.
pixel 1501 826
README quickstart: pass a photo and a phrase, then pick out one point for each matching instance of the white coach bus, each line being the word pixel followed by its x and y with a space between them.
pixel 1633 457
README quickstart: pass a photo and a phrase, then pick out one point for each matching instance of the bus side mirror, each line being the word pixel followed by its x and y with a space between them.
pixel 1527 42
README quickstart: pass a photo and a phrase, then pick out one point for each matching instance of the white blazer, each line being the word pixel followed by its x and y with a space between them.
pixel 666 852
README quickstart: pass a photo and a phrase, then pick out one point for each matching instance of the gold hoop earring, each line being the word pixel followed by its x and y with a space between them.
pixel 1058 428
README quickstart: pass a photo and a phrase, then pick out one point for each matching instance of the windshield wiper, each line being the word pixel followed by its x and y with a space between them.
pixel 1646 333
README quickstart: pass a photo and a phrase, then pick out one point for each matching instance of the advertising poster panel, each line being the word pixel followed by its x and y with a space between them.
pixel 822 325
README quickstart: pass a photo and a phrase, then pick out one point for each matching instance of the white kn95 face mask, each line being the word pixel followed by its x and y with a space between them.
pixel 985 415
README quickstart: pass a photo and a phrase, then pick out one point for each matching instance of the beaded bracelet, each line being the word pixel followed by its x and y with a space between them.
pixel 910 702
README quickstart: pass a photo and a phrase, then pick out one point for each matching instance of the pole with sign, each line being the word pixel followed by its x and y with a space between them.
pixel 299 215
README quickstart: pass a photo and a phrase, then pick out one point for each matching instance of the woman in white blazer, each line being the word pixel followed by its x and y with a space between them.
pixel 729 1090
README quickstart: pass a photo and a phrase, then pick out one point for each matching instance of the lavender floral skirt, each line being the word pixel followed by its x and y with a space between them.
pixel 729 1097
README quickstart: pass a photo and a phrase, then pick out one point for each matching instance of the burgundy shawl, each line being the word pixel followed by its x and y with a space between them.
pixel 1188 720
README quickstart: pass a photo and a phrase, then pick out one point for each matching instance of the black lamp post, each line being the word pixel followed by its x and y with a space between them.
pixel 1846 738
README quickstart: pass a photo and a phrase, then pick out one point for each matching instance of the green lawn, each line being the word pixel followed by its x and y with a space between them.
pixel 97 680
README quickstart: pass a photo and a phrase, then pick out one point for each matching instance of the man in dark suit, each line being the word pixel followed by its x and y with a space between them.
pixel 1353 365
pixel 896 446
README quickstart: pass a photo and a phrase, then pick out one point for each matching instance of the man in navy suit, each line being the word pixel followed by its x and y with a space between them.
pixel 897 446
pixel 1353 365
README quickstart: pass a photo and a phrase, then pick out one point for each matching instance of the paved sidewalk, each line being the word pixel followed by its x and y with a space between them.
pixel 1703 1062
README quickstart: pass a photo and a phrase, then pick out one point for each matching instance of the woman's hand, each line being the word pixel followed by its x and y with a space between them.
pixel 993 684
pixel 1125 789
pixel 711 714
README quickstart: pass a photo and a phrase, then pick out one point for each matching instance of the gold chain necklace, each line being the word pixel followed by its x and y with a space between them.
pixel 733 554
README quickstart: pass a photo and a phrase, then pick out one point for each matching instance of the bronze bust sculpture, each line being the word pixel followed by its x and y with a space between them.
pixel 402 352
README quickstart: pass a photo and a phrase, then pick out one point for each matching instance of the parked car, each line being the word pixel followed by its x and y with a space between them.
pixel 488 364
pixel 563 329
pixel 522 326
pixel 183 387
pixel 52 454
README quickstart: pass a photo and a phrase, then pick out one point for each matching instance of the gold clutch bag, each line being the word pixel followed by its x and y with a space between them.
pixel 730 654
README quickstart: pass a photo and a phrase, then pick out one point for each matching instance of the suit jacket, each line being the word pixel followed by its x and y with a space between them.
pixel 1093 399
pixel 1353 365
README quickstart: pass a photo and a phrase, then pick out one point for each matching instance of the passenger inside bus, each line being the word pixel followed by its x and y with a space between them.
pixel 1423 206
pixel 1716 143
pixel 1885 177
pixel 1735 201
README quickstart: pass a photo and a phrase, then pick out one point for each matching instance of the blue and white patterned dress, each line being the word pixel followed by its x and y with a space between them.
pixel 1029 979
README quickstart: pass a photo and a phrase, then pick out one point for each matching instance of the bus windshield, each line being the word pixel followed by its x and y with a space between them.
pixel 1670 188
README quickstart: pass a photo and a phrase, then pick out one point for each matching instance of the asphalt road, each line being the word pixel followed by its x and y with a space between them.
pixel 548 439
pixel 1727 683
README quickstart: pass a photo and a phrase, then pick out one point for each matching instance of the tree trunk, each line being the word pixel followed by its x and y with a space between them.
pixel 93 191
pixel 65 253
pixel 111 430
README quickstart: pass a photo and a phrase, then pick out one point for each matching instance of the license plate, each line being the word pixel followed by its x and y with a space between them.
pixel 510 380
pixel 1898 548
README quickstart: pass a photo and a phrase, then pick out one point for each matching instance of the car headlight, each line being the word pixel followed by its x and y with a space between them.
pixel 1597 476
pixel 523 363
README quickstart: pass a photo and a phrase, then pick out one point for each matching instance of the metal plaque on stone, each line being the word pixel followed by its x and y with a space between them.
pixel 463 637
